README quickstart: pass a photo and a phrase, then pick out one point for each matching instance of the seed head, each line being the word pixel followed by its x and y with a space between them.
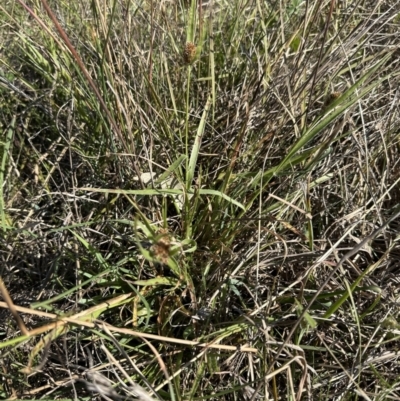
pixel 331 98
pixel 189 53
pixel 161 249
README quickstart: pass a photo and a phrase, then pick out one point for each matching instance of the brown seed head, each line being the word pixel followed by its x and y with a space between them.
pixel 189 53
pixel 161 248
pixel 331 98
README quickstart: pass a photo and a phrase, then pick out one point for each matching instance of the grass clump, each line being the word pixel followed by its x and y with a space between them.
pixel 199 200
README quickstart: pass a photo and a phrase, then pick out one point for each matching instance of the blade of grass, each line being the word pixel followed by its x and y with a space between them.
pixel 163 192
pixel 6 149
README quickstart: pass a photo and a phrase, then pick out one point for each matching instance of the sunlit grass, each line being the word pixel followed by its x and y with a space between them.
pixel 185 192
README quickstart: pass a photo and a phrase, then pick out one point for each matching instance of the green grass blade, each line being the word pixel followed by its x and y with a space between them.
pixel 6 149
pixel 196 146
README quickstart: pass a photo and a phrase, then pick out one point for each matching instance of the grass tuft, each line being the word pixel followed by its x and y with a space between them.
pixel 199 200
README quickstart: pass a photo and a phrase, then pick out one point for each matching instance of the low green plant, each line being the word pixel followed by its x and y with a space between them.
pixel 184 190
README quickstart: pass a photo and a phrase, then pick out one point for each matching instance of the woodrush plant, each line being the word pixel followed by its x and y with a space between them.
pixel 178 180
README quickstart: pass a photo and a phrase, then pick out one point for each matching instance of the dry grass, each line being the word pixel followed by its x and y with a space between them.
pixel 200 200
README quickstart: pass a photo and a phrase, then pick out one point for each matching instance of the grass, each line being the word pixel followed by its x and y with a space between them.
pixel 199 200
